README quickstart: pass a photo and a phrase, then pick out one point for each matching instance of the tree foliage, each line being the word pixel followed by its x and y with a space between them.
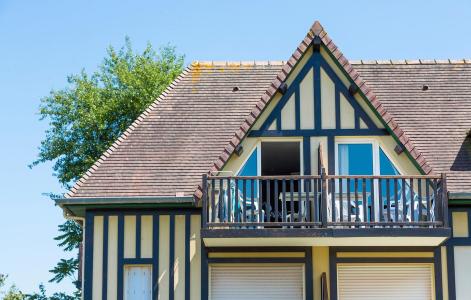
pixel 90 113
pixel 87 116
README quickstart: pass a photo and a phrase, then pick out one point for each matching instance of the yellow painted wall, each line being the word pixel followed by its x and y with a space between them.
pixel 327 101
pixel 320 261
pixel 288 116
pixel 306 98
pixel 164 253
pixel 347 114
pixel 179 263
pixel 195 258
pixel 97 257
pixel 112 258
pixel 444 272
pixel 147 246
pixel 146 236
pixel 460 223
pixel 129 236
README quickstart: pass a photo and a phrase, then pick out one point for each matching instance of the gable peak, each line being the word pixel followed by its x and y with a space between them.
pixel 317 28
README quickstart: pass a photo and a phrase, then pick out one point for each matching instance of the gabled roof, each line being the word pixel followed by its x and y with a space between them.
pixel 194 126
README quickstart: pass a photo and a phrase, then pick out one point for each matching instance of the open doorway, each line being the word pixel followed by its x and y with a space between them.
pixel 279 158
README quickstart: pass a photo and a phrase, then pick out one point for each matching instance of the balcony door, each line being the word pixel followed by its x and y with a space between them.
pixel 280 158
pixel 366 157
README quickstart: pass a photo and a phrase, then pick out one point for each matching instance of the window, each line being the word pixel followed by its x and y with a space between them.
pixel 250 168
pixel 355 159
pixel 363 158
pixel 385 164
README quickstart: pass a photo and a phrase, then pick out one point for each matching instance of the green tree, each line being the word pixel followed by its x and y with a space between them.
pixel 12 293
pixel 91 112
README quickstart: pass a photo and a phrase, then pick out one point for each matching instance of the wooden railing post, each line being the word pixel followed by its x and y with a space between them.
pixel 444 201
pixel 323 198
pixel 205 200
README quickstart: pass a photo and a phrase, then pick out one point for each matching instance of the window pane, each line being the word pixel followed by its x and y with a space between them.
pixel 250 168
pixel 355 159
pixel 386 166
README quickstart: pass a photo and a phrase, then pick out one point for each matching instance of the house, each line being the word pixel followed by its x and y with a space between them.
pixel 314 178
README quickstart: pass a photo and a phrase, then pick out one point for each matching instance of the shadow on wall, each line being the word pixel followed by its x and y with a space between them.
pixel 463 159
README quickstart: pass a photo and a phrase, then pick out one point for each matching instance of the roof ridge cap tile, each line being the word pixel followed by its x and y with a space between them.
pixel 126 133
pixel 228 63
pixel 410 61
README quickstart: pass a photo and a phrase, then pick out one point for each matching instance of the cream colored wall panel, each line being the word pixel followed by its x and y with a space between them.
pixel 320 263
pixel 146 236
pixel 272 126
pixel 164 251
pixel 97 257
pixel 346 82
pixel 462 272
pixel 179 263
pixel 288 115
pixel 347 114
pixel 267 111
pixel 299 66
pixel 327 101
pixel 195 258
pixel 460 223
pixel 444 272
pixel 112 258
pixel 362 124
pixel 315 142
pixel 307 101
pixel 129 236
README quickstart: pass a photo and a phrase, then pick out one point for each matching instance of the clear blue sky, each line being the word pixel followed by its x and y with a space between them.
pixel 41 42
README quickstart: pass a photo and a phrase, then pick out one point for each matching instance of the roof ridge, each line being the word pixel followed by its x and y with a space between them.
pixel 126 133
pixel 228 63
pixel 410 61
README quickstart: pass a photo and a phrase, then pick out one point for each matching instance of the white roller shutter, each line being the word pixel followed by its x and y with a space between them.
pixel 385 281
pixel 257 281
pixel 137 282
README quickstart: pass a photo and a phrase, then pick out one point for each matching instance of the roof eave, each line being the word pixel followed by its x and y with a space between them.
pixel 459 195
pixel 123 200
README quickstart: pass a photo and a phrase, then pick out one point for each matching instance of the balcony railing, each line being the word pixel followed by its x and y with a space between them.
pixel 324 201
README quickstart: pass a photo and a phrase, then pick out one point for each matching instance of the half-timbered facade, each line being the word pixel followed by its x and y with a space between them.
pixel 314 178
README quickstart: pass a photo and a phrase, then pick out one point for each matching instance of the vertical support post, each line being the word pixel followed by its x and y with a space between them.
pixel 204 202
pixel 323 198
pixel 444 201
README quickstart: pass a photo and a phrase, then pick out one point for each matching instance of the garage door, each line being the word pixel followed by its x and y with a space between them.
pixel 385 281
pixel 256 282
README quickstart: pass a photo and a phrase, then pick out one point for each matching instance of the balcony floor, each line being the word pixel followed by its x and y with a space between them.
pixel 325 237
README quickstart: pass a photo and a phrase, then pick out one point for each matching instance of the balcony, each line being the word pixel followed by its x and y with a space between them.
pixel 325 209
